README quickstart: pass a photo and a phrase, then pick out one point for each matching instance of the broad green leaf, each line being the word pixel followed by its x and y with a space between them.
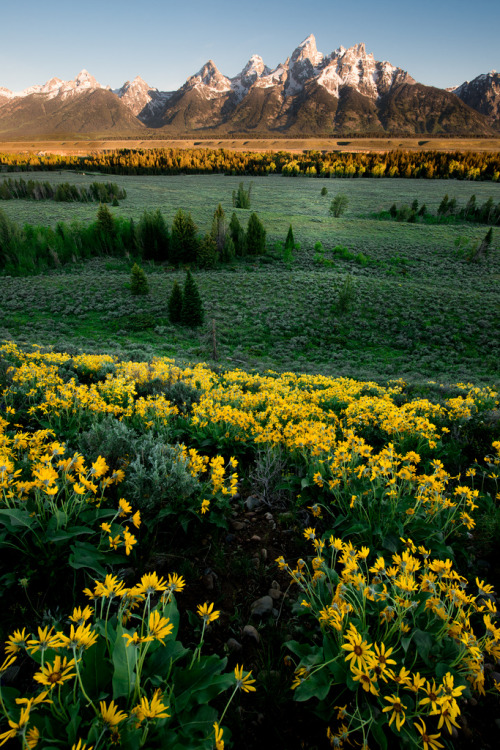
pixel 124 659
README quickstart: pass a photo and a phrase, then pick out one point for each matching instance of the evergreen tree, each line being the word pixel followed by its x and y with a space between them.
pixel 255 236
pixel 290 241
pixel 422 210
pixel 138 281
pixel 237 235
pixel 324 191
pixel 219 229
pixel 152 236
pixel 175 304
pixel 443 206
pixel 183 240
pixel 228 251
pixel 105 227
pixel 393 210
pixel 207 252
pixel 241 197
pixel 192 307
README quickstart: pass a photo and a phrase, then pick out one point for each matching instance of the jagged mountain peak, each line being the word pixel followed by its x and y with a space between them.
pixel 84 78
pixel 307 50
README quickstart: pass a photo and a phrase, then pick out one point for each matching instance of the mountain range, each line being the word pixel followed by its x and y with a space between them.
pixel 345 92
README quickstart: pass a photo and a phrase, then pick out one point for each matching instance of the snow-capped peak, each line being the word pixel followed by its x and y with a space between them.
pixel 209 80
pixel 307 51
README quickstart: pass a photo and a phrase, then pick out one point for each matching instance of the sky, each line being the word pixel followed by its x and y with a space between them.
pixel 439 42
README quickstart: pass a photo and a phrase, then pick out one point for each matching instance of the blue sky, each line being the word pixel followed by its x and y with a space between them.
pixel 439 42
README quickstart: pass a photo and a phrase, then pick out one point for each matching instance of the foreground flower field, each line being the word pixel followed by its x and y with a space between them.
pixel 385 501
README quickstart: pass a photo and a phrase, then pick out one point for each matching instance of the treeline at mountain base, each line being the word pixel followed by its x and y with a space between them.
pixel 471 165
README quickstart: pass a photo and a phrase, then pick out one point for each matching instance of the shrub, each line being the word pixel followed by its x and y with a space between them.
pixel 241 197
pixel 338 205
pixel 138 281
pixel 324 191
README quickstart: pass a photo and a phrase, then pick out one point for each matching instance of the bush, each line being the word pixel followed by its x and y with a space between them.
pixel 241 197
pixel 338 205
pixel 324 191
pixel 138 281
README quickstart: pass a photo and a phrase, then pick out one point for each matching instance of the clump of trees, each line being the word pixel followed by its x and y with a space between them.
pixel 100 192
pixel 185 305
pixel 241 197
pixel 448 211
pixel 30 249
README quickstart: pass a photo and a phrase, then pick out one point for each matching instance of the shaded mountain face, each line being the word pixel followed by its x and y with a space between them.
pixel 346 91
pixel 483 95
pixel 92 111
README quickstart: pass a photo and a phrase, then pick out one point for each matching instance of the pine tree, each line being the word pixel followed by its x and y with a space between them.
pixel 192 307
pixel 207 254
pixel 228 251
pixel 443 206
pixel 237 235
pixel 152 236
pixel 138 281
pixel 183 240
pixel 175 304
pixel 105 226
pixel 219 229
pixel 290 241
pixel 255 236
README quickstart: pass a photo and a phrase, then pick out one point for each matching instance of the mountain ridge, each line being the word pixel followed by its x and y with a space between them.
pixel 346 90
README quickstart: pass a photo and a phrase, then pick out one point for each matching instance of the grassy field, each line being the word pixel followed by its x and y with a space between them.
pixel 417 309
pixel 83 146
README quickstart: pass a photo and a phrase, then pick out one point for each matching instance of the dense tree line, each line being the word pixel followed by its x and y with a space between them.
pixel 100 192
pixel 448 211
pixel 471 165
pixel 29 249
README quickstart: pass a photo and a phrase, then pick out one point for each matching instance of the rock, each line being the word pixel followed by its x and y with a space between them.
pixel 263 554
pixel 238 525
pixel 250 632
pixel 255 538
pixel 256 562
pixel 234 646
pixel 252 502
pixel 275 585
pixel 262 606
pixel 269 517
pixel 274 594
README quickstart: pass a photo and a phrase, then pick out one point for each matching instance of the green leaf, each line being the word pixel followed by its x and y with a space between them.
pixel 316 686
pixel 16 518
pixel 123 658
pixel 379 734
pixel 62 535
pixel 161 661
pixel 96 670
pixel 201 683
pixel 84 555
pixel 308 655
pixel 424 643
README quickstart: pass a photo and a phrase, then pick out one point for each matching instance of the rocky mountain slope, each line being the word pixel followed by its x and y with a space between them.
pixel 346 91
pixel 483 95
